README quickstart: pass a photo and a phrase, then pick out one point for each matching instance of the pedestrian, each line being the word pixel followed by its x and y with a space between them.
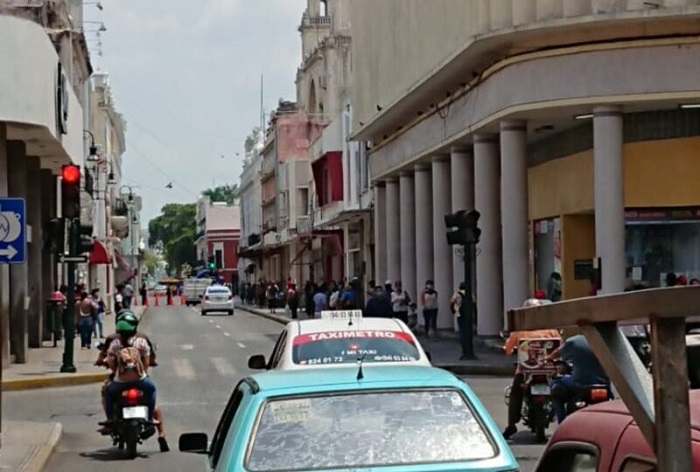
pixel 400 300
pixel 429 304
pixel 85 311
pixel 272 293
pixel 99 319
pixel 119 298
pixel 348 299
pixel 293 300
pixel 320 302
pixel 334 296
pixel 144 294
pixel 128 293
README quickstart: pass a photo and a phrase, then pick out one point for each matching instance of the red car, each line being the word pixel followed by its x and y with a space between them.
pixel 605 438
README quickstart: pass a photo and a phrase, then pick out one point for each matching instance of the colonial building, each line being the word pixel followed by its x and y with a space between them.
pixel 218 235
pixel 250 194
pixel 571 126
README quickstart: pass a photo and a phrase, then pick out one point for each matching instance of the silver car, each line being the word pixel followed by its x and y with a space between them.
pixel 217 298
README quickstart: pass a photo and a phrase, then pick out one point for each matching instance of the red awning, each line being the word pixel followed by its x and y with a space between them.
pixel 100 254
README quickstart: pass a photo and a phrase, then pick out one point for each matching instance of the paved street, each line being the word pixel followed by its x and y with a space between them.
pixel 200 360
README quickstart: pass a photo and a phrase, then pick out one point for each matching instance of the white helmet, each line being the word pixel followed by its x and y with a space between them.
pixel 530 302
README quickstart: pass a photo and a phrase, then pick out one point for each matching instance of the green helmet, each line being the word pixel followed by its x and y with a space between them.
pixel 127 316
pixel 124 327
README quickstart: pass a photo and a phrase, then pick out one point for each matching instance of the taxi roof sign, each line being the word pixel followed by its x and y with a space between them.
pixel 341 315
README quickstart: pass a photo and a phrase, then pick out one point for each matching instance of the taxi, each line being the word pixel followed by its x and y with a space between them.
pixel 339 338
pixel 402 418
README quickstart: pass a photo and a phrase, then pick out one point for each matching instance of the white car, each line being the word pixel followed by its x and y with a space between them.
pixel 340 338
pixel 217 298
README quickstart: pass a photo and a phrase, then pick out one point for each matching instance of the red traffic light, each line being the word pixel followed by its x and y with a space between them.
pixel 71 174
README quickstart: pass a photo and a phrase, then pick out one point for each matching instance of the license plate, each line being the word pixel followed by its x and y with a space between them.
pixel 539 389
pixel 135 412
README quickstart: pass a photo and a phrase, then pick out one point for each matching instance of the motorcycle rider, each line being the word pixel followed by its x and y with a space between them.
pixel 517 392
pixel 587 372
pixel 127 335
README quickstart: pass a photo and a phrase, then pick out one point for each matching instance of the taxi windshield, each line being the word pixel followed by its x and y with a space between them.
pixel 361 429
pixel 340 347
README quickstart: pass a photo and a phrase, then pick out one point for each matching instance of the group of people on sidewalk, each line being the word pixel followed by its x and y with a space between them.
pixel 91 309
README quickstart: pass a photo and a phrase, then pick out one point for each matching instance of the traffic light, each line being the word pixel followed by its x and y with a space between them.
pixel 212 263
pixel 55 236
pixel 462 228
pixel 70 191
pixel 85 242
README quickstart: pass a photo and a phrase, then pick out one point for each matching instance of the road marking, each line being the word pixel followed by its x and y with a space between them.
pixel 226 334
pixel 183 369
pixel 211 321
pixel 222 366
pixel 187 347
pixel 218 326
pixel 241 345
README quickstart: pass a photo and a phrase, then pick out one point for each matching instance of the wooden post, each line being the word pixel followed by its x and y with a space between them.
pixel 670 371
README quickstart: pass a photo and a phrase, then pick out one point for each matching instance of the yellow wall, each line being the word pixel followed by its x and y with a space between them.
pixel 578 242
pixel 660 173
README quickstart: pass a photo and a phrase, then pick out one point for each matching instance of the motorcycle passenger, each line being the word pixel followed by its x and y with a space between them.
pixel 123 379
pixel 517 392
pixel 587 372
pixel 129 317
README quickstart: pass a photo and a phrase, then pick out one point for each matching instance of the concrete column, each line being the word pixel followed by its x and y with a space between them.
pixel 380 230
pixel 609 196
pixel 489 275
pixel 4 269
pixel 462 177
pixel 48 211
pixel 442 252
pixel 17 183
pixel 514 213
pixel 35 270
pixel 407 205
pixel 393 240
pixel 424 227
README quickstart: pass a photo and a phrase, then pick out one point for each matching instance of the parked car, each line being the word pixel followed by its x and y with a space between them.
pixel 217 298
pixel 605 438
pixel 335 340
pixel 358 418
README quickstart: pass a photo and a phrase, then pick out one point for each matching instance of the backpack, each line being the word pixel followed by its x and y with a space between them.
pixel 129 365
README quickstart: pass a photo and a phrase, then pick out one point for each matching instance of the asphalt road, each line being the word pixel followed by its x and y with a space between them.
pixel 200 358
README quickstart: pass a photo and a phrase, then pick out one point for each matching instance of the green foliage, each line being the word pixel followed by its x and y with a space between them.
pixel 222 193
pixel 175 231
pixel 150 260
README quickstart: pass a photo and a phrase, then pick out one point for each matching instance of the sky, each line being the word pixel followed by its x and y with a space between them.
pixel 186 76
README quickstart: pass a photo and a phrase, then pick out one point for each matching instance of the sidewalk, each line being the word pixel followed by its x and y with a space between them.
pixel 27 446
pixel 43 368
pixel 444 350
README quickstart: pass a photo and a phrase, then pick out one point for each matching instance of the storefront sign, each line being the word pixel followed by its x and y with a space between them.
pixel 641 215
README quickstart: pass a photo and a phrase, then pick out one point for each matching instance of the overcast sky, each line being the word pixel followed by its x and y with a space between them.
pixel 186 76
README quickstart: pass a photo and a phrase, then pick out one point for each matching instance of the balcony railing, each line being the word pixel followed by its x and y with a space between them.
pixel 316 21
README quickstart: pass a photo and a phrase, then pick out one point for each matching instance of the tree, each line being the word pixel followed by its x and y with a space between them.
pixel 175 230
pixel 223 193
pixel 150 260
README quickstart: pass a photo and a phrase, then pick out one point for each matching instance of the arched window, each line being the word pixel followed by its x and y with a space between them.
pixel 323 8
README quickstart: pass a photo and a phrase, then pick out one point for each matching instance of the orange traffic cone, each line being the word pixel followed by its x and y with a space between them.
pixel 156 299
pixel 182 300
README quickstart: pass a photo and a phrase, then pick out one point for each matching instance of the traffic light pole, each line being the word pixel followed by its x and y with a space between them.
pixel 466 312
pixel 69 317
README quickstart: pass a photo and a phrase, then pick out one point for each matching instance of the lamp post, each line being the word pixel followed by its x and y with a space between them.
pixel 133 219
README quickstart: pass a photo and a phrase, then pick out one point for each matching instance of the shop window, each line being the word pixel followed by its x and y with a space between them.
pixel 657 248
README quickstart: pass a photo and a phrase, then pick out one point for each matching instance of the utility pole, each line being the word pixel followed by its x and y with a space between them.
pixel 463 231
pixel 69 317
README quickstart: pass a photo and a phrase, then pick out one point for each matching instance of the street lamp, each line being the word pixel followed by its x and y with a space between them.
pixel 132 220
pixel 93 149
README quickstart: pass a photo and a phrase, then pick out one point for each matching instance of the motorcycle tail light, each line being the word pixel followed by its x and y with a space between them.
pixel 206 298
pixel 599 394
pixel 132 395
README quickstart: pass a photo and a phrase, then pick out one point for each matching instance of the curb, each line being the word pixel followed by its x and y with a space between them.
pixel 276 318
pixel 41 457
pixel 70 380
pixel 479 369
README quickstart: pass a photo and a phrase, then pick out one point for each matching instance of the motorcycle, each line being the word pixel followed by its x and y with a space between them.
pixel 130 424
pixel 537 411
pixel 590 395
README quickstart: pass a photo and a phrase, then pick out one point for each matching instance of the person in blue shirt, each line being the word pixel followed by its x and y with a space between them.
pixel 348 298
pixel 378 306
pixel 320 302
pixel 587 371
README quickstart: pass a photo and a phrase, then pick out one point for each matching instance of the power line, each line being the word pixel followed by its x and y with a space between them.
pixel 159 168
